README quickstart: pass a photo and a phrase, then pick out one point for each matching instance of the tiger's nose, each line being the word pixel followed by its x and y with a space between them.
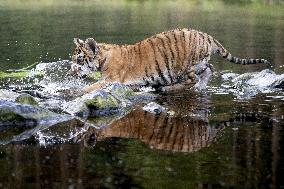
pixel 83 76
pixel 73 66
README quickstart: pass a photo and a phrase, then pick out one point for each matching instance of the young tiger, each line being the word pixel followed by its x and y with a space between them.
pixel 170 60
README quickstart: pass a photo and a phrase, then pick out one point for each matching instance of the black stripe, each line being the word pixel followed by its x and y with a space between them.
pixel 232 59
pixel 160 73
pixel 153 131
pixel 226 55
pixel 153 47
pixel 209 40
pixel 201 34
pixel 146 71
pixel 129 52
pixel 200 46
pixel 168 69
pixel 201 49
pixel 171 63
pixel 194 45
pixel 172 53
pixel 139 52
pixel 146 81
pixel 171 130
pixel 189 56
pixel 176 45
pixel 167 63
pixel 184 45
pixel 219 45
pixel 155 59
pixel 101 64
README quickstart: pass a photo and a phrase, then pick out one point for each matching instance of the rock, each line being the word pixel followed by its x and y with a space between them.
pixel 26 99
pixel 102 103
pixel 11 112
pixel 116 98
pixel 25 117
pixel 249 84
pixel 8 117
pixel 155 108
pixel 120 91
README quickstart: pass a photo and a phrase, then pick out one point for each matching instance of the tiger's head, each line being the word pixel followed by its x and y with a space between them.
pixel 84 57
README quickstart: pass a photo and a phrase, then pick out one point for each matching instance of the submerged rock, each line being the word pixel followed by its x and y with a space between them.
pixel 9 117
pixel 102 103
pixel 42 116
pixel 26 99
pixel 13 114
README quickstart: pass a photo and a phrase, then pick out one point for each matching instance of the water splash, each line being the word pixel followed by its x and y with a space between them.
pixel 248 85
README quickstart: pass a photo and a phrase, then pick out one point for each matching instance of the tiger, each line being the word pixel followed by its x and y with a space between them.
pixel 171 60
pixel 161 132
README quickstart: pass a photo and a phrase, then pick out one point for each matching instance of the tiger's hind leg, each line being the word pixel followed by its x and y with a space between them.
pixel 203 76
pixel 203 72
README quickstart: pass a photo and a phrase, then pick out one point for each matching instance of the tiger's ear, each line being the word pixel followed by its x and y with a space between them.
pixel 92 44
pixel 78 41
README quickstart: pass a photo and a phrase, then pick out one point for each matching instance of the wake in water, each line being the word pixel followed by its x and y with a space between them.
pixel 248 85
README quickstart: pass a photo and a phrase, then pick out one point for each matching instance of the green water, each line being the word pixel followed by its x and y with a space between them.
pixel 235 144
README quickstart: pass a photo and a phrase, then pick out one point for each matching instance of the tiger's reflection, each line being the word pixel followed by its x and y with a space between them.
pixel 183 132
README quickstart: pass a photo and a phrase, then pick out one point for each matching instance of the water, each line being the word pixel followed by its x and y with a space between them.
pixel 213 140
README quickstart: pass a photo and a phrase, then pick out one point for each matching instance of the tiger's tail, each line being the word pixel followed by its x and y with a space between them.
pixel 228 56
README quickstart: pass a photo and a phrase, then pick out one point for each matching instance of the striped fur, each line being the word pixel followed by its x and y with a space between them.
pixel 170 60
pixel 177 134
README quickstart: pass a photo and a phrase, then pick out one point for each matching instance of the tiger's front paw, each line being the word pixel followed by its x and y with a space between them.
pixel 88 89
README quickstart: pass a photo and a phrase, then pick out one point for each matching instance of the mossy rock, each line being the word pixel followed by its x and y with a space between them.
pixel 102 102
pixel 122 91
pixel 26 99
pixel 94 75
pixel 9 115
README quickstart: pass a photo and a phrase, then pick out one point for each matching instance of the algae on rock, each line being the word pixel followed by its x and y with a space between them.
pixel 26 99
